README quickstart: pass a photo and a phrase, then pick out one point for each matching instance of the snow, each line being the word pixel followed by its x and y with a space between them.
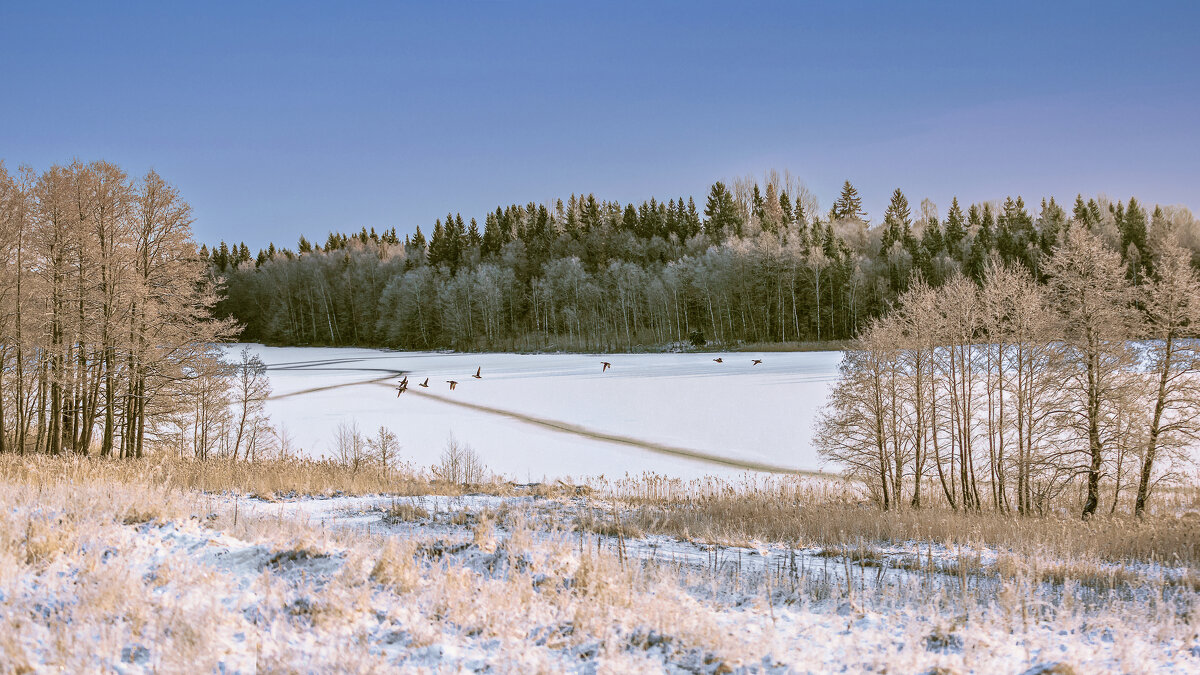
pixel 802 633
pixel 734 411
pixel 190 591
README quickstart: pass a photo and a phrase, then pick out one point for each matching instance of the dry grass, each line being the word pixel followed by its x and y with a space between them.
pixel 85 591
pixel 804 511
pixel 267 479
pixel 404 512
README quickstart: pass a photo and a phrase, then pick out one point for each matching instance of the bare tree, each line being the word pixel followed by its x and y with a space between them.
pixel 350 446
pixel 853 427
pixel 385 449
pixel 251 388
pixel 460 464
pixel 1172 314
pixel 1094 300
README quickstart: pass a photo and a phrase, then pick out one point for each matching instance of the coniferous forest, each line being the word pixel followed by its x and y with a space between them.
pixel 757 262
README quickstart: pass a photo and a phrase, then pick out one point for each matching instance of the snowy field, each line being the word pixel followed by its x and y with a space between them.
pixel 105 572
pixel 546 416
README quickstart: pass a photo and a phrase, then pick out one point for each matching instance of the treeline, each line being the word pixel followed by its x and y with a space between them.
pixel 106 340
pixel 1004 393
pixel 759 264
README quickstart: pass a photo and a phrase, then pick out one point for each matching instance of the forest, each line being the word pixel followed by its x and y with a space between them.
pixel 759 263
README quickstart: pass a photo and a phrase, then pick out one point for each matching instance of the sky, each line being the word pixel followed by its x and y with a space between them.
pixel 281 119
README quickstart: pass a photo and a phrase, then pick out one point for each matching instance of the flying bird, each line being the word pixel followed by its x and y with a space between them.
pixel 403 386
pixel 756 362
pixel 453 384
pixel 477 371
pixel 718 360
pixel 606 365
pixel 425 383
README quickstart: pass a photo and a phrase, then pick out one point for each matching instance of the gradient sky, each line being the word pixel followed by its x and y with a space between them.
pixel 277 120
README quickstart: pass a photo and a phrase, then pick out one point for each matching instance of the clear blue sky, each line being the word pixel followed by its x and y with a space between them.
pixel 282 119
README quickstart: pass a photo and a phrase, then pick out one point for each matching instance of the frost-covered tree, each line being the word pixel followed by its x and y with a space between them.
pixel 1095 305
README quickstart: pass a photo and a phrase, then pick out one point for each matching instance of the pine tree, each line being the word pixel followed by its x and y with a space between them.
pixel 417 250
pixel 896 220
pixel 591 214
pixel 438 248
pixel 956 229
pixel 572 226
pixel 629 219
pixel 473 237
pixel 982 246
pixel 1051 222
pixel 721 214
pixel 1080 212
pixel 848 205
pixel 1133 240
pixel 681 220
pixel 693 219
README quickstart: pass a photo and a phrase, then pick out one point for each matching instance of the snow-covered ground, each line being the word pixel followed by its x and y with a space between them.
pixel 104 576
pixel 906 610
pixel 545 416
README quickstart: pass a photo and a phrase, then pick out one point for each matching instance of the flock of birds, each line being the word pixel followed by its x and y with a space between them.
pixel 604 365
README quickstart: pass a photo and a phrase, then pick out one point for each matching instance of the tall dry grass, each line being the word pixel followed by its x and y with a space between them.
pixel 798 510
pixel 267 479
pixel 806 511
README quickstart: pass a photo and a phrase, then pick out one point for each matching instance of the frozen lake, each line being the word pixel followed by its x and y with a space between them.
pixel 544 416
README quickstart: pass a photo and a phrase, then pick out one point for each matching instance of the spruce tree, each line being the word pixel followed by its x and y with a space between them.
pixel 1080 212
pixel 693 218
pixel 473 237
pixel 848 205
pixel 955 229
pixel 629 219
pixel 896 221
pixel 721 214
pixel 756 204
pixel 437 245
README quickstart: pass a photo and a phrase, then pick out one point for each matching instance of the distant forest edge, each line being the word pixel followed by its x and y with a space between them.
pixel 761 264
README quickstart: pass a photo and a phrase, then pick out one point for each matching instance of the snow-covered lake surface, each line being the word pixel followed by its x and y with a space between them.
pixel 545 416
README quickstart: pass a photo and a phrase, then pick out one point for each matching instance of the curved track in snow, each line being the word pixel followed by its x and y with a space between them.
pixel 568 428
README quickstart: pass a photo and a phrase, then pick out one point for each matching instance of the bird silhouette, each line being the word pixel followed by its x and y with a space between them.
pixel 606 365
pixel 453 384
pixel 477 371
pixel 425 383
pixel 718 360
pixel 403 387
pixel 756 362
